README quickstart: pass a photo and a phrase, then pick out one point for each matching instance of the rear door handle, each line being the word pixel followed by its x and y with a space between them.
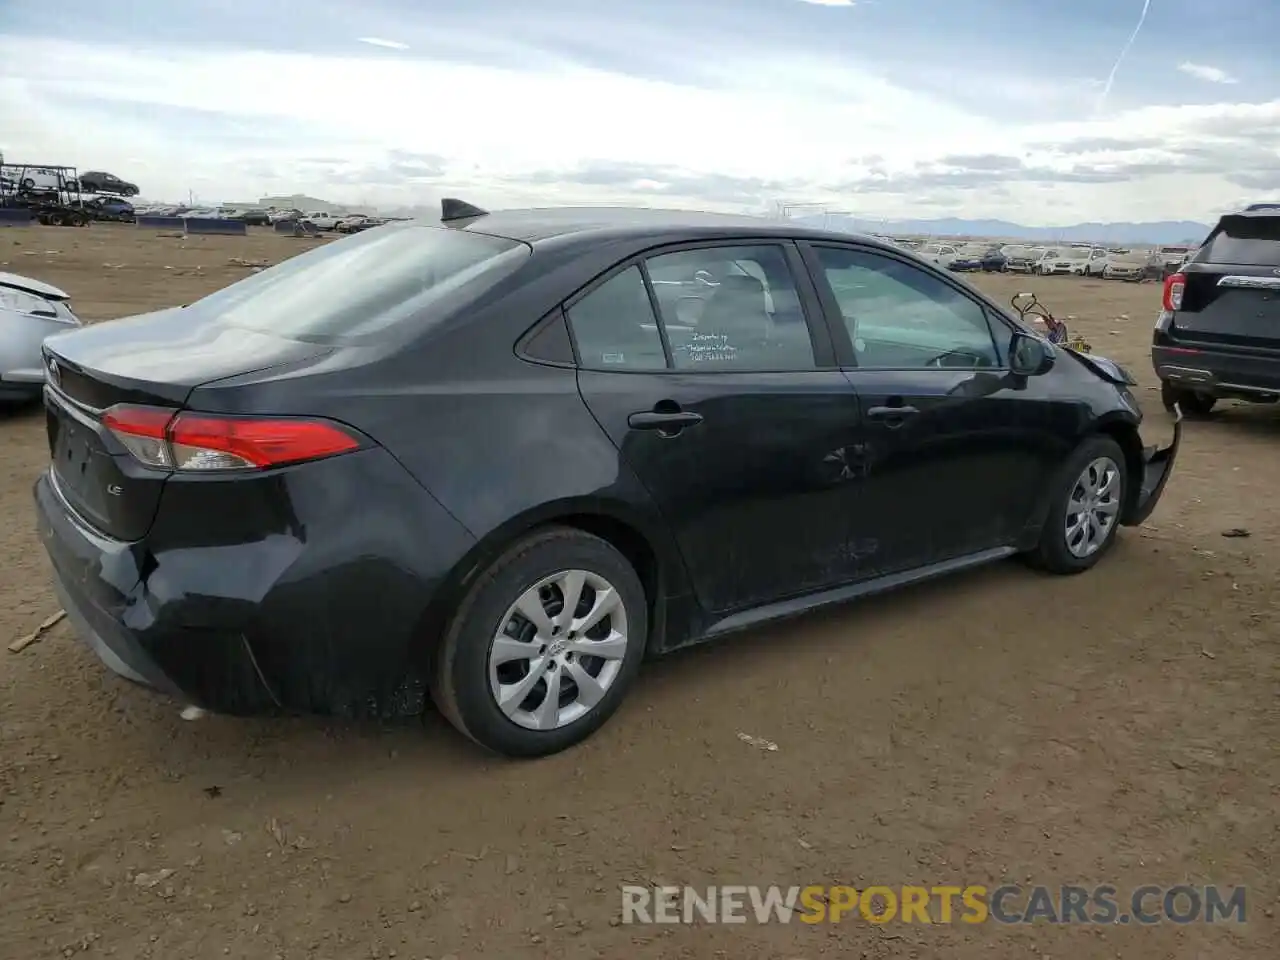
pixel 666 423
pixel 891 413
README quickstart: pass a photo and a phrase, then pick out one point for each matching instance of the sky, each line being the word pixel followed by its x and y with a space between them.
pixel 879 108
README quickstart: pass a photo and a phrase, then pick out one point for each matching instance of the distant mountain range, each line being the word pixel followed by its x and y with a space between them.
pixel 1158 232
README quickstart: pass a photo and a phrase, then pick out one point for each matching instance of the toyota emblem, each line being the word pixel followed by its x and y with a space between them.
pixel 55 374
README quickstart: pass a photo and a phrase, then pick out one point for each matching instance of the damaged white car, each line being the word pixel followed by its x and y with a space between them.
pixel 30 311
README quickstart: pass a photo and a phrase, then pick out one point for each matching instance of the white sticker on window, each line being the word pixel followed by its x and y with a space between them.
pixel 710 347
pixel 614 358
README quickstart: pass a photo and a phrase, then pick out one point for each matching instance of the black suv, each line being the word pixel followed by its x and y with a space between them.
pixel 1218 334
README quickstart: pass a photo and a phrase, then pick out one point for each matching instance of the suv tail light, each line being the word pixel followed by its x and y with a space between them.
pixel 198 441
pixel 1174 285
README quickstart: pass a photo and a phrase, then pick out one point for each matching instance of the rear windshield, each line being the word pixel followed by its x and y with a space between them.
pixel 1246 241
pixel 366 283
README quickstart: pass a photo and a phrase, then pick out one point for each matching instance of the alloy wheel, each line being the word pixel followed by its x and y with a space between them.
pixel 558 650
pixel 1093 507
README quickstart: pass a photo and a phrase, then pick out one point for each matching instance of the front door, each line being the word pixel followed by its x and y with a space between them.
pixel 956 452
pixel 732 414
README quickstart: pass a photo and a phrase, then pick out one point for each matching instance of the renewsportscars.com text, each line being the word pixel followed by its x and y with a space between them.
pixel 1068 904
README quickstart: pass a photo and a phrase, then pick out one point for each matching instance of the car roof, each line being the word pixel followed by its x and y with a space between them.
pixel 537 225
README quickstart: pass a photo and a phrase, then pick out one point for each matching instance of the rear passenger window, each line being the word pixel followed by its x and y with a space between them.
pixel 614 326
pixel 731 308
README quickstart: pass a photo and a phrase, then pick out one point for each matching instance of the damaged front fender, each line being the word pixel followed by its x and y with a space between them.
pixel 1157 467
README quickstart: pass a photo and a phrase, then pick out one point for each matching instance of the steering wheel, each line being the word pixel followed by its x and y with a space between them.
pixel 972 360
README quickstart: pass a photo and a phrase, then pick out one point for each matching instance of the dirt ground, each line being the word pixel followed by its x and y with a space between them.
pixel 1118 727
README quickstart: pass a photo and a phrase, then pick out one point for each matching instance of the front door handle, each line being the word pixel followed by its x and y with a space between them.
pixel 894 415
pixel 666 423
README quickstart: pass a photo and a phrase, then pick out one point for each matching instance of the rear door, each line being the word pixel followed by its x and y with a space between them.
pixel 730 410
pixel 1231 297
pixel 956 449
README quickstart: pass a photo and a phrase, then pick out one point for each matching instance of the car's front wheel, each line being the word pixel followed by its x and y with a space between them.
pixel 1084 513
pixel 544 646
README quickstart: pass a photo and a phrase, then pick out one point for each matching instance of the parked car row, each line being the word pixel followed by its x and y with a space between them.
pixel 268 216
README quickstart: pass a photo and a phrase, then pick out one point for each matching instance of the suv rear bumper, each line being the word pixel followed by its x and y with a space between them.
pixel 1218 373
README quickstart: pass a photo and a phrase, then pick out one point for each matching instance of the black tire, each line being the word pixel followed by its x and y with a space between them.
pixel 459 677
pixel 1191 403
pixel 1052 553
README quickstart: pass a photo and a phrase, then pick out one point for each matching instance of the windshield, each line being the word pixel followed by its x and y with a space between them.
pixel 364 283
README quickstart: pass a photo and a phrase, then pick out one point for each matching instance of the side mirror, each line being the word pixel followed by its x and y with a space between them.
pixel 1030 356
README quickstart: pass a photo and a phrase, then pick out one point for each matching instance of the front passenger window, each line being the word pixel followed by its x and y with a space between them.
pixel 900 316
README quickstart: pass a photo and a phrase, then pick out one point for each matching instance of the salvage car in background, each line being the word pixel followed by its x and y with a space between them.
pixel 994 261
pixel 968 258
pixel 97 181
pixel 1131 266
pixel 1218 333
pixel 1019 259
pixel 943 254
pixel 29 312
pixel 479 455
pixel 1093 260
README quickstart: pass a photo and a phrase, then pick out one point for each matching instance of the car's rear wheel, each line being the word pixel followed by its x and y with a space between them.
pixel 1191 403
pixel 544 646
pixel 1084 513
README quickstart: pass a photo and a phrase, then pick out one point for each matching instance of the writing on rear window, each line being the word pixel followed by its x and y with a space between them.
pixel 709 348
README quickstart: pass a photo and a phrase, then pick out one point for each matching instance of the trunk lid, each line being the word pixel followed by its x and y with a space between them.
pixel 1232 293
pixel 156 359
pixel 48 291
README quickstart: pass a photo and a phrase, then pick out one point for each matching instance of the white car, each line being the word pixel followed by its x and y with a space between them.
pixel 41 179
pixel 322 221
pixel 943 254
pixel 1065 260
pixel 1096 263
pixel 29 312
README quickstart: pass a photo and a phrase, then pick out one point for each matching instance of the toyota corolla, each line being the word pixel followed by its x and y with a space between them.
pixel 489 462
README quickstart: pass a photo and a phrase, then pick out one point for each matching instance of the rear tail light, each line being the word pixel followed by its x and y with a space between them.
pixel 198 441
pixel 1174 285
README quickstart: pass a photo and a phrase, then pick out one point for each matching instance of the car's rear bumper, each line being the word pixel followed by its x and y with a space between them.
pixel 1218 373
pixel 319 610
pixel 1157 468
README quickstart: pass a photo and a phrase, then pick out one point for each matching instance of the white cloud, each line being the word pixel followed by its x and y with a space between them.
pixel 754 126
pixel 379 42
pixel 1207 73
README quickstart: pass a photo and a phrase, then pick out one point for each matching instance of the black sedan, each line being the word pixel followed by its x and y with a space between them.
pixel 482 459
pixel 97 181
